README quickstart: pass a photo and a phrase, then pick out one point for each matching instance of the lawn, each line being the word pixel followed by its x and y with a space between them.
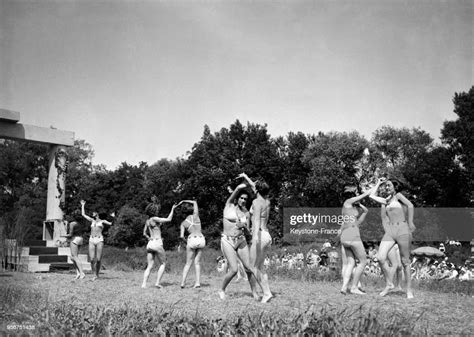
pixel 115 303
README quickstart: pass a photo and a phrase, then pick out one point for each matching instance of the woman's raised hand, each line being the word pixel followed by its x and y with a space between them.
pixel 83 202
pixel 381 180
pixel 241 186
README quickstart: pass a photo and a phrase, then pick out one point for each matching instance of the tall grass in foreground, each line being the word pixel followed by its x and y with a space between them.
pixel 22 306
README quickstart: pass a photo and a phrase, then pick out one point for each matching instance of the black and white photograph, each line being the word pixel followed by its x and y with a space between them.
pixel 236 167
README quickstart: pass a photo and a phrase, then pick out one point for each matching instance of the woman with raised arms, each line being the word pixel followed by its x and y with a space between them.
pixel 154 248
pixel 233 243
pixel 261 239
pixel 96 240
pixel 352 246
pixel 398 230
pixel 194 243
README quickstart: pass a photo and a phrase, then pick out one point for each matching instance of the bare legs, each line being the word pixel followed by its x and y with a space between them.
pixel 404 244
pixel 396 266
pixel 95 255
pixel 232 257
pixel 75 260
pixel 161 256
pixel 257 258
pixel 192 254
pixel 351 251
pixel 386 245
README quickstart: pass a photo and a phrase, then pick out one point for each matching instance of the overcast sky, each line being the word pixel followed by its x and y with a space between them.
pixel 139 79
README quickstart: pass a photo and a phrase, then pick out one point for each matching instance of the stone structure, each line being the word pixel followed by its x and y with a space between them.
pixel 58 140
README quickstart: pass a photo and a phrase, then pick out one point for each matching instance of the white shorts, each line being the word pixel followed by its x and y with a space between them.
pixel 96 239
pixel 196 241
pixel 78 240
pixel 154 245
pixel 265 238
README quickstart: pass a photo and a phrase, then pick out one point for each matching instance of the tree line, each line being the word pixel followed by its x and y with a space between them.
pixel 303 170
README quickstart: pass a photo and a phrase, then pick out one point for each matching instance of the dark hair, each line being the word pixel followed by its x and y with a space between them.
pixel 242 192
pixel 397 184
pixel 153 208
pixel 262 187
pixel 187 209
pixel 350 191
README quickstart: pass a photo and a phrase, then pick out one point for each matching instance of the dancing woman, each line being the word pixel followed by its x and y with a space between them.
pixel 233 243
pixel 96 240
pixel 195 242
pixel 399 230
pixel 75 242
pixel 352 246
pixel 261 239
pixel 395 275
pixel 154 248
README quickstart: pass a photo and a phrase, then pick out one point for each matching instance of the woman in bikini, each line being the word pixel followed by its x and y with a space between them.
pixel 154 248
pixel 398 230
pixel 395 275
pixel 75 242
pixel 352 246
pixel 96 240
pixel 194 243
pixel 233 243
pixel 261 239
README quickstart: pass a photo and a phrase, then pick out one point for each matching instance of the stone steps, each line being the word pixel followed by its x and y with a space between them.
pixel 42 256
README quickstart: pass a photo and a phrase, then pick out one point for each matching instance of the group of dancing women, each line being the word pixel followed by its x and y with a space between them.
pixel 393 254
pixel 237 220
pixel 394 250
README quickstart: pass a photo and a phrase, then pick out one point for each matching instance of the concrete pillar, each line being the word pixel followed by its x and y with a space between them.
pixel 57 168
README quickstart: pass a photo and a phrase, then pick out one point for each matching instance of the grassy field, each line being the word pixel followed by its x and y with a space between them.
pixel 52 303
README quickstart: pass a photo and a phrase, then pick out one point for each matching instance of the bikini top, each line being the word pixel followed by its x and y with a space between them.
pixel 97 224
pixel 191 223
pixel 230 213
pixel 396 208
pixel 393 204
pixel 350 211
pixel 152 224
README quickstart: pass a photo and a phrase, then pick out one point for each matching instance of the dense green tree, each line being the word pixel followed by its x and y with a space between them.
pixel 458 135
pixel 78 175
pixel 399 153
pixel 401 146
pixel 218 158
pixel 127 229
pixel 23 186
pixel 295 169
pixel 332 160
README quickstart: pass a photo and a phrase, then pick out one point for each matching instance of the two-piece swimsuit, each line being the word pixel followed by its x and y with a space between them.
pixel 396 230
pixel 263 235
pixel 76 239
pixel 154 244
pixel 236 241
pixel 195 240
pixel 350 232
pixel 95 239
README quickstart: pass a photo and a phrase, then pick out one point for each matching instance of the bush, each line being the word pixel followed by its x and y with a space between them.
pixel 127 230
